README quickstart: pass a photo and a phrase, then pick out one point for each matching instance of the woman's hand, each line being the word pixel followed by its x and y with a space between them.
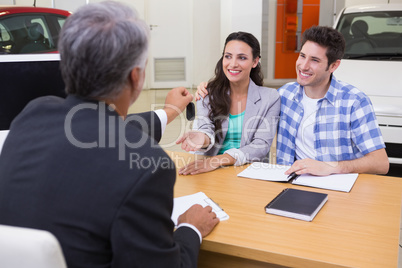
pixel 193 141
pixel 208 164
pixel 201 91
pixel 200 166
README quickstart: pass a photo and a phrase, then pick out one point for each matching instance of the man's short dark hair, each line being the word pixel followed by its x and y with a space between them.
pixel 326 37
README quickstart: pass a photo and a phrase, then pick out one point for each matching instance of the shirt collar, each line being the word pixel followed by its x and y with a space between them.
pixel 329 96
pixel 299 94
pixel 331 93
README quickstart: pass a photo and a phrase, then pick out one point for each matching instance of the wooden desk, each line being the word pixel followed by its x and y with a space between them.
pixel 356 229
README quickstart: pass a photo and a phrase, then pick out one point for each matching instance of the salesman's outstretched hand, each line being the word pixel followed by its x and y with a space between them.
pixel 176 101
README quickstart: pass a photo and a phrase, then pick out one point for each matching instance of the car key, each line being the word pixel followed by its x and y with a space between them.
pixel 190 111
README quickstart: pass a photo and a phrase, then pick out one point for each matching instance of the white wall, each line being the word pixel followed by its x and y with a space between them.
pixel 206 39
pixel 6 2
pixel 213 21
pixel 39 3
pixel 139 5
pixel 365 2
pixel 240 15
pixel 70 5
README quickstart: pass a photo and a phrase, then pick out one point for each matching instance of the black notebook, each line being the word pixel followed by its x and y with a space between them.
pixel 298 204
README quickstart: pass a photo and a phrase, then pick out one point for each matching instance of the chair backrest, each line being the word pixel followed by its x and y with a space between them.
pixel 35 39
pixel 35 32
pixel 29 248
pixel 3 136
pixel 359 29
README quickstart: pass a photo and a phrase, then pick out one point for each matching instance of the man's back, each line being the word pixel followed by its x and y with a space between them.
pixel 60 171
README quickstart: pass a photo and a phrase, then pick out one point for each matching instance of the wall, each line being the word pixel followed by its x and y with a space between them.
pixel 285 53
pixel 240 15
pixel 212 21
pixel 206 39
pixel 39 3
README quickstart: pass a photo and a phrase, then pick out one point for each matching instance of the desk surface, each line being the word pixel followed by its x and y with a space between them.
pixel 356 229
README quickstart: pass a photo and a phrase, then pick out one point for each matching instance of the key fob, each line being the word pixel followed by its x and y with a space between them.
pixel 190 111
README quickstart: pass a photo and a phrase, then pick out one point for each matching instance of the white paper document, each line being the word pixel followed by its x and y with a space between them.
pixel 269 172
pixel 337 182
pixel 181 204
pixel 265 171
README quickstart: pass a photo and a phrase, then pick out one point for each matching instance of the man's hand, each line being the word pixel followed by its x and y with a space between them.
pixel 201 218
pixel 176 101
pixel 193 141
pixel 313 167
pixel 375 162
pixel 201 91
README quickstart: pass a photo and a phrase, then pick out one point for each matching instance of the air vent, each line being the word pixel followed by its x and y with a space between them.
pixel 170 69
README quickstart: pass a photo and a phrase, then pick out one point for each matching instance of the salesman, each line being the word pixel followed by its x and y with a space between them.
pixel 65 165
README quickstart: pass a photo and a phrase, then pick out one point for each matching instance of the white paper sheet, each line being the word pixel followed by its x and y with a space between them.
pixel 181 204
pixel 269 172
pixel 265 171
pixel 337 182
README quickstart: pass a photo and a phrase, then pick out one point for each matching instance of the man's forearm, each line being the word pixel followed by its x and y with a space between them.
pixel 375 162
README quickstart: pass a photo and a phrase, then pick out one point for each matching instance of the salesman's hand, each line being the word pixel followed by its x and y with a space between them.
pixel 201 91
pixel 176 101
pixel 201 218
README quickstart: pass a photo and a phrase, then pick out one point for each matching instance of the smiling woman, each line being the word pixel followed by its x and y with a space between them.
pixel 237 121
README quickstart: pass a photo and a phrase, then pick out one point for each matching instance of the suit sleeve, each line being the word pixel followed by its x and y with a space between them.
pixel 148 122
pixel 142 233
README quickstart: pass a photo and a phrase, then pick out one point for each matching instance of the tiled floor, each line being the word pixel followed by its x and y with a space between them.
pixel 155 99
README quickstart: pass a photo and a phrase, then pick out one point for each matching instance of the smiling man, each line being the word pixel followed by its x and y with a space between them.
pixel 327 126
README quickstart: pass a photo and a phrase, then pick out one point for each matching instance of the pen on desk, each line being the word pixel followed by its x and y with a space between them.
pixel 292 176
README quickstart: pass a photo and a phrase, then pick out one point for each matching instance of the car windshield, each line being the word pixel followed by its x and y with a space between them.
pixel 372 35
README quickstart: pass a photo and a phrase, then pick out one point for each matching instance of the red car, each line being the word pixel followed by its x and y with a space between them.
pixel 30 29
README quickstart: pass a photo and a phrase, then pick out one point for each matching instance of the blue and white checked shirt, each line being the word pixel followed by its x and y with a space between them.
pixel 346 127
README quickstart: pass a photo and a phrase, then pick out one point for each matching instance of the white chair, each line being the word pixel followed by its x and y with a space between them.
pixel 3 135
pixel 29 248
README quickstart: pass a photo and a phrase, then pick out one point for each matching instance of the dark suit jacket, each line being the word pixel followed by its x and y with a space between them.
pixel 102 186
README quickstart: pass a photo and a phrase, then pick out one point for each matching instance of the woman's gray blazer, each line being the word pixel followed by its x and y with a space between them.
pixel 259 125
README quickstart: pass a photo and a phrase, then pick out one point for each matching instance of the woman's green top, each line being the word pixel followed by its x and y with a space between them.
pixel 233 136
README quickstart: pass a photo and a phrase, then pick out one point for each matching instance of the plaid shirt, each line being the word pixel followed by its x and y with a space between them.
pixel 346 127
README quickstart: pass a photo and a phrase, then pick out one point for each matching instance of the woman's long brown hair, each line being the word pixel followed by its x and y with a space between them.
pixel 218 86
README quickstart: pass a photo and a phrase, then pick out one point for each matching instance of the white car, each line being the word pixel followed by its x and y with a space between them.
pixel 373 63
